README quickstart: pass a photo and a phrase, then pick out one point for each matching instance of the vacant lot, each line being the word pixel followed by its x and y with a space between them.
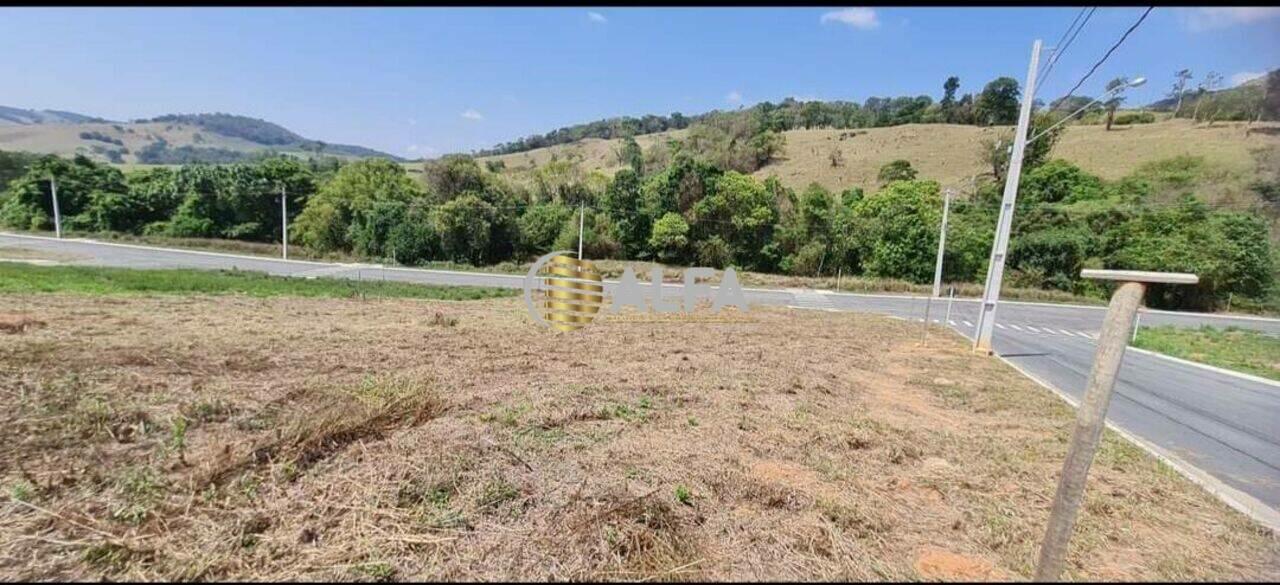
pixel 233 437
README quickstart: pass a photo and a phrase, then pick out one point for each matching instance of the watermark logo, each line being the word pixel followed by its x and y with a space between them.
pixel 567 293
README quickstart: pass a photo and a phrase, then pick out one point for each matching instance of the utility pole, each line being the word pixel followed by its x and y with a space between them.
pixel 1000 247
pixel 284 219
pixel 942 241
pixel 582 217
pixel 1091 415
pixel 937 271
pixel 57 216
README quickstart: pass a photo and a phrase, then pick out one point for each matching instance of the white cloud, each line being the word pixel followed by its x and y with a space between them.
pixel 1245 76
pixel 859 18
pixel 1210 18
pixel 596 17
pixel 734 97
pixel 472 115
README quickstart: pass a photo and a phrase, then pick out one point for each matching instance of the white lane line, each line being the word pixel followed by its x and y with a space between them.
pixel 968 324
pixel 951 321
pixel 1015 327
pixel 1067 333
pixel 999 325
pixel 1033 329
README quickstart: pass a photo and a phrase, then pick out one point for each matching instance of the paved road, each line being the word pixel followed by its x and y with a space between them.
pixel 1221 430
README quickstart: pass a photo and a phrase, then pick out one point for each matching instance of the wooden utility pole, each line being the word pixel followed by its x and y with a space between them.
pixel 1091 415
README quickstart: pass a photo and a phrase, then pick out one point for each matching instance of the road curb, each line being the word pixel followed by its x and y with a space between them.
pixel 1215 369
pixel 1244 503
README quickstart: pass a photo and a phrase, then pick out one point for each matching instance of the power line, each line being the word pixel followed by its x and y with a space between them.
pixel 1060 48
pixel 1109 52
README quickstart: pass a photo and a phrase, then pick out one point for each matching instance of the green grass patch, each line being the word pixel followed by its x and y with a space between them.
pixel 26 278
pixel 1237 349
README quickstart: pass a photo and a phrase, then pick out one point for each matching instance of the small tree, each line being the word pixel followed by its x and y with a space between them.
pixel 998 102
pixel 1112 104
pixel 898 170
pixel 1207 85
pixel 837 157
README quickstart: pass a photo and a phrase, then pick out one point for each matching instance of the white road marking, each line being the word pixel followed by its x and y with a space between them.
pixel 1033 329
pixel 1067 333
pixel 968 324
pixel 1015 327
pixel 999 325
pixel 951 321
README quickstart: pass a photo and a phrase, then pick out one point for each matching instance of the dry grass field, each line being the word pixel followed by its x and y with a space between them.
pixel 949 153
pixel 227 438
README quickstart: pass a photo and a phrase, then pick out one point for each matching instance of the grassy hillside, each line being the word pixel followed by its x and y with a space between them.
pixel 950 153
pixel 176 139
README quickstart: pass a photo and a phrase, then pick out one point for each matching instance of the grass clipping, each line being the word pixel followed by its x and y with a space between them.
pixel 226 438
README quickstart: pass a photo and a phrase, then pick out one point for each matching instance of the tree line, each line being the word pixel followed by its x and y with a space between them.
pixel 996 104
pixel 689 210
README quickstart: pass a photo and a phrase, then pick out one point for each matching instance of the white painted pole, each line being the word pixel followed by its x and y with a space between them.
pixel 582 217
pixel 1137 323
pixel 1000 247
pixel 942 243
pixel 57 216
pixel 951 297
pixel 284 223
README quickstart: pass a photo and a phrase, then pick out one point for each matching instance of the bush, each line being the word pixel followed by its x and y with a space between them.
pixel 898 230
pixel 670 237
pixel 898 170
pixel 1127 118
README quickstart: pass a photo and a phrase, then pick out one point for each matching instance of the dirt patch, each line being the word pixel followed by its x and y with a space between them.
pixel 940 565
pixel 223 438
pixel 10 323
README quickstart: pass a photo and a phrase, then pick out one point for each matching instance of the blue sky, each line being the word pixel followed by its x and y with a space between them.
pixel 424 81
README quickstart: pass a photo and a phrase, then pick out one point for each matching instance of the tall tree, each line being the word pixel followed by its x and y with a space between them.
pixel 948 103
pixel 1207 86
pixel 1179 88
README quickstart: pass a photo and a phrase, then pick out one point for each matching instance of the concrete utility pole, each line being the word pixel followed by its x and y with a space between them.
pixel 284 219
pixel 942 242
pixel 57 216
pixel 1091 415
pixel 937 271
pixel 582 217
pixel 1000 247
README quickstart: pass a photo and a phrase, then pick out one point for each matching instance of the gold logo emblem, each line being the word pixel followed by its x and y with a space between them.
pixel 572 293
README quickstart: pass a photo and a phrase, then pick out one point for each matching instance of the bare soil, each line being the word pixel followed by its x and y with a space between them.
pixel 224 438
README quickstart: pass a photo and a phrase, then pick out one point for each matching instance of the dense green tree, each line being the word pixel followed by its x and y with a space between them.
pixel 541 224
pixel 898 230
pixel 324 223
pixel 670 237
pixel 997 105
pixel 464 225
pixel 29 202
pixel 898 170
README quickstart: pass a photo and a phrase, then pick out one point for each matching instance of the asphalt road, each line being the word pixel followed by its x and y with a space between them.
pixel 1219 429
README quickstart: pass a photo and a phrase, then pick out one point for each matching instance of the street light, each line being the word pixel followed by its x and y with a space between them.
pixel 1135 82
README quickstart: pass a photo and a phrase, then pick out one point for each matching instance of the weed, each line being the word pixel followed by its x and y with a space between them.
pixel 496 493
pixel 204 411
pixel 108 556
pixel 141 488
pixel 22 491
pixel 684 496
pixel 381 572
pixel 439 320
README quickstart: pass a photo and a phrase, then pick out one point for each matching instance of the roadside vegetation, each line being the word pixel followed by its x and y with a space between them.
pixel 699 200
pixel 1243 350
pixel 18 278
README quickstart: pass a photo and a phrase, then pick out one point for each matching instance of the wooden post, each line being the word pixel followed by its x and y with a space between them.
pixel 1092 414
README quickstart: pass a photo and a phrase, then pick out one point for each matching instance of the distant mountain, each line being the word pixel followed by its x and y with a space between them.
pixel 168 139
pixel 25 117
